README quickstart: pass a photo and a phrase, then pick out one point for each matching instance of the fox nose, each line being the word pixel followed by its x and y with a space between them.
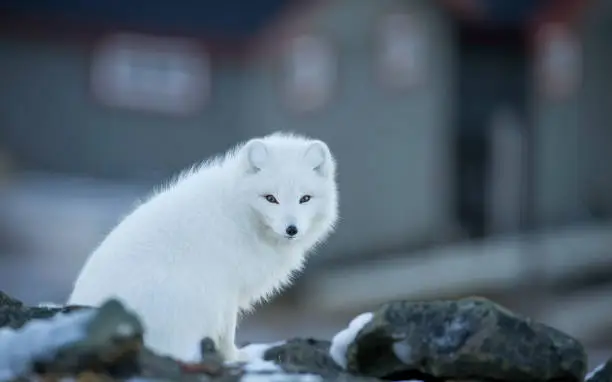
pixel 291 230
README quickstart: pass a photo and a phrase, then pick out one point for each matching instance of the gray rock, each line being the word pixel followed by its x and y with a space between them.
pixel 602 373
pixel 309 355
pixel 8 301
pixel 467 339
pixel 304 355
pixel 443 341
pixel 107 339
pixel 14 314
pixel 104 344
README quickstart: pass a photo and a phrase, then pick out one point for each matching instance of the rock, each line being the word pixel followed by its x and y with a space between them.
pixel 443 341
pixel 211 358
pixel 309 356
pixel 602 373
pixel 153 366
pixel 8 301
pixel 105 344
pixel 467 339
pixel 14 314
pixel 304 355
pixel 107 339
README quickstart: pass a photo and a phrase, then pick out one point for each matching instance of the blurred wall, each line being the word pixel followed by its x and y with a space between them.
pixel 574 135
pixel 50 120
pixel 596 123
pixel 394 149
pixel 391 147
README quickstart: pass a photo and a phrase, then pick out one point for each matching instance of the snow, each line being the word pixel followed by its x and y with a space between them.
pixel 595 371
pixel 280 377
pixel 403 351
pixel 50 305
pixel 257 351
pixel 260 365
pixel 259 370
pixel 344 338
pixel 39 340
pixel 253 355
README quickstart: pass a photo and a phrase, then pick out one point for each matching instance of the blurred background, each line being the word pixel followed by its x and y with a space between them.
pixel 474 141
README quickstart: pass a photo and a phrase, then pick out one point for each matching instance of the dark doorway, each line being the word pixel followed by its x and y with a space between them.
pixel 493 73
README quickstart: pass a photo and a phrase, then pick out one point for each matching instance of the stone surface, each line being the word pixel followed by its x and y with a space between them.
pixel 109 339
pixel 309 355
pixel 14 314
pixel 301 355
pixel 108 346
pixel 440 341
pixel 8 301
pixel 465 339
pixel 602 373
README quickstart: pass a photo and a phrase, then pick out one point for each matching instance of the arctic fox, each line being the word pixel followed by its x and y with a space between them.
pixel 219 238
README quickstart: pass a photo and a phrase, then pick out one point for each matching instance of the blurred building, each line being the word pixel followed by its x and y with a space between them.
pixel 473 137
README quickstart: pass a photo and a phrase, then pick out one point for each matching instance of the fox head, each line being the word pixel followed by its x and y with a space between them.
pixel 289 184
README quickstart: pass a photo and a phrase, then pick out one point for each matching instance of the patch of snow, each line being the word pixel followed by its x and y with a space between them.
pixel 50 305
pixel 403 352
pixel 38 340
pixel 256 351
pixel 125 330
pixel 344 338
pixel 259 370
pixel 310 378
pixel 280 377
pixel 594 371
pixel 259 365
pixel 253 356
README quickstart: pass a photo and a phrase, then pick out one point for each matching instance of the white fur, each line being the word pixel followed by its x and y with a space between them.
pixel 210 245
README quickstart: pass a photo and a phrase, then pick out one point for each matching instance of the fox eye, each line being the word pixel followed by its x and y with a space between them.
pixel 271 199
pixel 304 199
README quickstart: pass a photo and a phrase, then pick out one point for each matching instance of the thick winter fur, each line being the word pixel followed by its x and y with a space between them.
pixel 214 242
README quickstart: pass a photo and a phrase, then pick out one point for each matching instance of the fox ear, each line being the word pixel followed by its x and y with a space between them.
pixel 256 155
pixel 318 156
